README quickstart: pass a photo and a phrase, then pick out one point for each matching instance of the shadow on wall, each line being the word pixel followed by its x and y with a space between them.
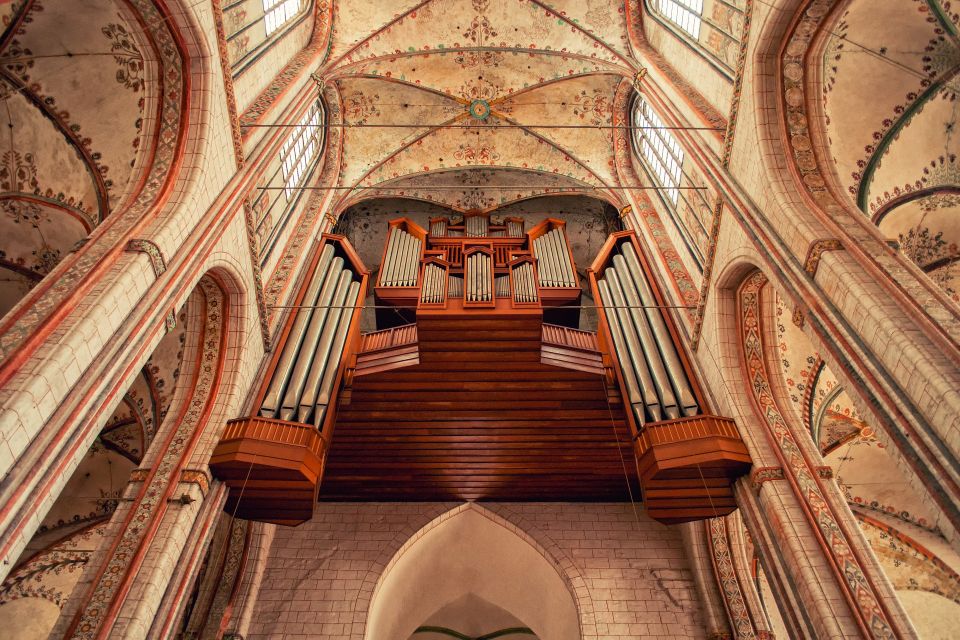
pixel 472 576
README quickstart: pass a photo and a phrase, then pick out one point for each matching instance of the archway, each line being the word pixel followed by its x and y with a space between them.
pixel 471 571
pixel 87 512
pixel 71 155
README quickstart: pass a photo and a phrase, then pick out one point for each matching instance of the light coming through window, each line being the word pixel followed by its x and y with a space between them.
pixel 300 149
pixel 276 13
pixel 659 148
pixel 683 13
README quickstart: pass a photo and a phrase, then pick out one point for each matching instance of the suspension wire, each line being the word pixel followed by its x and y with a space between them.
pixel 623 462
pixel 877 54
pixel 382 125
pixel 500 187
pixel 410 308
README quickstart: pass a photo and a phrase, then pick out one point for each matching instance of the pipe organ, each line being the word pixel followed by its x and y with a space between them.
pixel 273 461
pixel 460 380
pixel 687 458
pixel 477 258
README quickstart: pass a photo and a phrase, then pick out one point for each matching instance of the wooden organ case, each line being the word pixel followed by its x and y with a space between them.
pixel 478 385
pixel 272 462
pixel 687 458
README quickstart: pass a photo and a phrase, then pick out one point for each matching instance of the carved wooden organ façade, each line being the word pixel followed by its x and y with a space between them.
pixel 442 402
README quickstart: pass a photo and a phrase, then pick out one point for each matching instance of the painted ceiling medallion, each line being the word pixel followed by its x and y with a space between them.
pixel 480 109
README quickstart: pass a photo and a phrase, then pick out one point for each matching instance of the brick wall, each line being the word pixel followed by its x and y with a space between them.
pixel 627 573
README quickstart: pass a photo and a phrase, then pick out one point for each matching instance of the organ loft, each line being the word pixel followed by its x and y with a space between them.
pixel 475 319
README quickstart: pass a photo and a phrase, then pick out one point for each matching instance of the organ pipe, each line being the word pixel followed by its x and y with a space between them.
pixel 333 361
pixel 325 274
pixel 654 376
pixel 630 353
pixel 503 286
pixel 402 259
pixel 514 227
pixel 634 323
pixel 671 358
pixel 301 370
pixel 323 351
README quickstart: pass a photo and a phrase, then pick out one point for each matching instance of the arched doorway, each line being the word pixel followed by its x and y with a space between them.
pixel 471 576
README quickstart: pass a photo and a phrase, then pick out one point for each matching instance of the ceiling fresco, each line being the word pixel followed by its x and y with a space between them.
pixel 68 158
pixel 517 92
pixel 845 438
pixel 895 150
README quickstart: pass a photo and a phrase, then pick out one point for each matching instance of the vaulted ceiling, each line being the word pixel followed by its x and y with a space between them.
pixel 890 82
pixel 483 86
pixel 68 157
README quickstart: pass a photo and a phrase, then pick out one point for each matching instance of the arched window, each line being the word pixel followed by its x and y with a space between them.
pixel 681 189
pixel 277 13
pixel 659 149
pixel 301 149
pixel 253 25
pixel 291 169
pixel 683 13
pixel 712 28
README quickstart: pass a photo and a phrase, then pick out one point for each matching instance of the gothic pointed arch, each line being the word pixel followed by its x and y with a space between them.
pixel 514 583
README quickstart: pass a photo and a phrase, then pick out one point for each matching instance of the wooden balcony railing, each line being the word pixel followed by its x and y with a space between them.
pixel 683 430
pixel 387 338
pixel 272 468
pixel 274 432
pixel 567 337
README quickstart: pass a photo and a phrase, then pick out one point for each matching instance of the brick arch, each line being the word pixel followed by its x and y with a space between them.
pixel 499 514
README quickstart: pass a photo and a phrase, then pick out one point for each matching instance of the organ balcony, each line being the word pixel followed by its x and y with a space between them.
pixel 687 458
pixel 272 461
pixel 478 383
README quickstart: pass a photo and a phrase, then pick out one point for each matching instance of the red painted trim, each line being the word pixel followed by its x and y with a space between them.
pixel 172 480
pixel 17 358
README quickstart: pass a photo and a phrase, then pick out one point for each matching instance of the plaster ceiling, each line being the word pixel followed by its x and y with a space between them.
pixel 69 156
pixel 473 79
pixel 889 87
pixel 890 80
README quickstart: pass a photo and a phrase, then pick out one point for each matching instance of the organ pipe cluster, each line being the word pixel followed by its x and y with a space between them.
pixel 434 283
pixel 302 384
pixel 524 283
pixel 554 266
pixel 402 262
pixel 656 382
pixel 478 276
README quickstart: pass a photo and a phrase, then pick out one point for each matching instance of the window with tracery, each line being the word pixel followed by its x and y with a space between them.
pixel 685 194
pixel 301 149
pixel 711 28
pixel 683 13
pixel 659 148
pixel 277 13
pixel 280 190
pixel 253 26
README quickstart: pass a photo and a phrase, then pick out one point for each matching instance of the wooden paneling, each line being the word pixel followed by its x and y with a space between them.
pixel 480 417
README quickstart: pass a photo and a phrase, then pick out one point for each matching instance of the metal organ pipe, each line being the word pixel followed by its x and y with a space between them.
pixel 326 272
pixel 635 395
pixel 621 281
pixel 301 370
pixel 402 262
pixel 545 264
pixel 563 258
pixel 333 361
pixel 514 228
pixel 323 352
pixel 634 351
pixel 644 345
pixel 389 260
pixel 503 286
pixel 671 358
